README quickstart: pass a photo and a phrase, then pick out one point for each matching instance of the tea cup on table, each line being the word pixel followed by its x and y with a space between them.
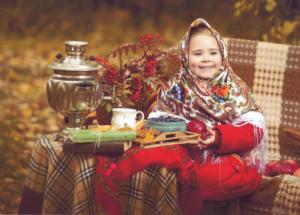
pixel 126 117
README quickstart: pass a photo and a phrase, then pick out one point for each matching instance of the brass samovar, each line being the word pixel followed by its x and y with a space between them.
pixel 75 88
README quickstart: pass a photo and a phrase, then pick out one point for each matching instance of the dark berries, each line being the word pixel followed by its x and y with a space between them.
pixel 165 119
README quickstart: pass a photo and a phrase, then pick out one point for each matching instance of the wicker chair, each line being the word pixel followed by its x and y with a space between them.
pixel 272 71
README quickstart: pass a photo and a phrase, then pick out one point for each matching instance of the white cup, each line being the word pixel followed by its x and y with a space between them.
pixel 125 117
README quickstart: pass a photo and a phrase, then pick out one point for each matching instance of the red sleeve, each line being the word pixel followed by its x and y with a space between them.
pixel 235 139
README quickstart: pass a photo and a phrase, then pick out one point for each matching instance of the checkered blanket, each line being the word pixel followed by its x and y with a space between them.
pixel 66 184
pixel 273 71
pixel 153 191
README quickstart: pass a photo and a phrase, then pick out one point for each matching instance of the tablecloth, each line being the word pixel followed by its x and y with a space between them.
pixel 63 183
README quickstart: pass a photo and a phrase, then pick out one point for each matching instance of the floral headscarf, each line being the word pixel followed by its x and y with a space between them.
pixel 218 100
pixel 225 98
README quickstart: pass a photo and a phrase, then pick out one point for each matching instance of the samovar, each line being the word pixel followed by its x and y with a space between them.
pixel 75 89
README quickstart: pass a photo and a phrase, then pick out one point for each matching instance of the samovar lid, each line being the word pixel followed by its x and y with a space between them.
pixel 74 61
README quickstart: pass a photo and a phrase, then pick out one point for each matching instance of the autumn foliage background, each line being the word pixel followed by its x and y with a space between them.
pixel 32 32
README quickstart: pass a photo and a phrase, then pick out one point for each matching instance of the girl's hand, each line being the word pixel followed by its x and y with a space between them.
pixel 208 142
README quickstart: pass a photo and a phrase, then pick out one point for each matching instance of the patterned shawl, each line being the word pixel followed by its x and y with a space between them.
pixel 218 100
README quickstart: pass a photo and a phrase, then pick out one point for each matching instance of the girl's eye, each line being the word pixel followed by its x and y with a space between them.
pixel 197 53
pixel 214 53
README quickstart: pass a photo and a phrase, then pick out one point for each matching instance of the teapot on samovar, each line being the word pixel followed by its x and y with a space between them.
pixel 75 88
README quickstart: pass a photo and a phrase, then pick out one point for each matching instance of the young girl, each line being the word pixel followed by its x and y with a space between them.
pixel 229 163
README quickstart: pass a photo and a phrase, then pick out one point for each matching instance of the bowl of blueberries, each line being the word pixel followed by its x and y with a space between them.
pixel 167 124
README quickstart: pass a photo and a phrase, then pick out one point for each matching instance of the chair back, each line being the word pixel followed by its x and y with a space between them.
pixel 273 72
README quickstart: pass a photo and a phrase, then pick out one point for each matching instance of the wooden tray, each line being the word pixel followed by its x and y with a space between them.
pixel 169 138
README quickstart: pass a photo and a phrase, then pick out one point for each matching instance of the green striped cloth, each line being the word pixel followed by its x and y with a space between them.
pixel 88 136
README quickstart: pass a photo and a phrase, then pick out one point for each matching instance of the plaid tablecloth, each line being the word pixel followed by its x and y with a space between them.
pixel 63 183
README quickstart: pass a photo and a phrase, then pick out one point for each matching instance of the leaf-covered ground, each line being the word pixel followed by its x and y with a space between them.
pixel 24 116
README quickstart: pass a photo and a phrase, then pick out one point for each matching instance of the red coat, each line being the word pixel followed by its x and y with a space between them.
pixel 229 178
pixel 233 139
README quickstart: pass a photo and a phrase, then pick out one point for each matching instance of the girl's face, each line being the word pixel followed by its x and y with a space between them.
pixel 204 56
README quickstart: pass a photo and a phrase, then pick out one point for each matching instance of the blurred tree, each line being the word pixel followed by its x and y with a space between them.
pixel 61 19
pixel 282 18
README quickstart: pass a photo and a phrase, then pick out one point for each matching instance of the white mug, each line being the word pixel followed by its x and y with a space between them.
pixel 125 117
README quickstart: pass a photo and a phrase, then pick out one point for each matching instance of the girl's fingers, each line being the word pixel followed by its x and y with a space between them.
pixel 210 140
pixel 204 143
pixel 211 131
